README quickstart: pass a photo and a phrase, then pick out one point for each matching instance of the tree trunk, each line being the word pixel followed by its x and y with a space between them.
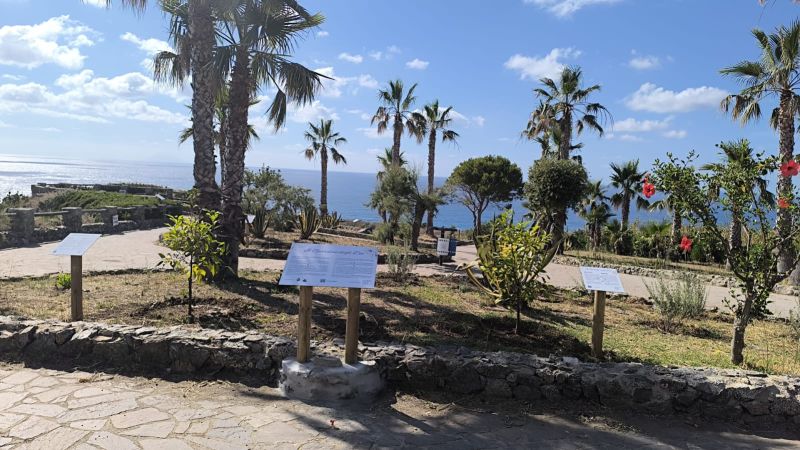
pixel 566 136
pixel 323 192
pixel 740 323
pixel 559 224
pixel 232 214
pixel 786 149
pixel 625 211
pixel 476 215
pixel 677 226
pixel 431 174
pixel 419 213
pixel 202 36
pixel 735 238
pixel 398 133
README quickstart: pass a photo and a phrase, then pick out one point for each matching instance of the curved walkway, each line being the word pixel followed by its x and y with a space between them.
pixel 140 249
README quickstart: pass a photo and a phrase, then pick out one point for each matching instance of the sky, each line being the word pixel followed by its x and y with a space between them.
pixel 76 79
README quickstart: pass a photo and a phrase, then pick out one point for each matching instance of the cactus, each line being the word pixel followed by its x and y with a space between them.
pixel 308 222
pixel 260 223
pixel 331 221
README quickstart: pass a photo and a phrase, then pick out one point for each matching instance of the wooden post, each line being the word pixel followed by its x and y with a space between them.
pixel 351 332
pixel 76 283
pixel 598 321
pixel 304 324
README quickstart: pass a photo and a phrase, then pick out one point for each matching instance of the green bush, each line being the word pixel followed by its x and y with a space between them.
pixel 266 188
pixel 677 300
pixel 308 222
pixel 63 281
pixel 95 199
pixel 260 223
pixel 400 263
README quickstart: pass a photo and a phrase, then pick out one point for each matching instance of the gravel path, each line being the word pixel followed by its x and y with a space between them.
pixel 140 249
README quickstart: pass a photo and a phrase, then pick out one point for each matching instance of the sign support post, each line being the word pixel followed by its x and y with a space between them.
pixel 598 322
pixel 76 287
pixel 351 332
pixel 304 324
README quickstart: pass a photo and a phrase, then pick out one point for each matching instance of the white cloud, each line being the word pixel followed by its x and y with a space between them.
pixel 565 8
pixel 150 46
pixel 393 49
pixel 417 64
pixel 467 121
pixel 7 76
pixel 355 59
pixel 675 134
pixel 479 120
pixel 376 55
pixel 644 62
pixel 624 137
pixel 54 41
pixel 311 112
pixel 650 97
pixel 548 66
pixel 87 98
pixel 333 87
pixel 323 34
pixel 631 125
pixel 97 3
pixel 372 133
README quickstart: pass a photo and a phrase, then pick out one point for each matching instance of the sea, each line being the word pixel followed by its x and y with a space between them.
pixel 347 191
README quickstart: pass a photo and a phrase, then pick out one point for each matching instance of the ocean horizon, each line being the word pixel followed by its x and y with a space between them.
pixel 347 191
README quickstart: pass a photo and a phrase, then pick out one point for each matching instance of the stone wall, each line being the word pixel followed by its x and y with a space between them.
pixel 745 396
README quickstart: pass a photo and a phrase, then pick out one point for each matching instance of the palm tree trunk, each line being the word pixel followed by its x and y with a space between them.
pixel 431 174
pixel 784 221
pixel 566 136
pixel 201 32
pixel 232 215
pixel 419 212
pixel 626 211
pixel 323 191
pixel 398 133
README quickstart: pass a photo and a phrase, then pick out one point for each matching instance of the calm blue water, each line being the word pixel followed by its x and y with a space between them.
pixel 347 191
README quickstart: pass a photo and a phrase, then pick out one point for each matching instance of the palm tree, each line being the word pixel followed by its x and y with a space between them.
pixel 386 162
pixel 565 105
pixel 323 140
pixel 395 110
pixel 667 203
pixel 257 38
pixel 739 153
pixel 776 73
pixel 628 179
pixel 435 121
pixel 596 212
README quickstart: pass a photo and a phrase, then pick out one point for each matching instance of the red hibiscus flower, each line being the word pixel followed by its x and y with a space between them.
pixel 783 203
pixel 686 244
pixel 649 189
pixel 790 168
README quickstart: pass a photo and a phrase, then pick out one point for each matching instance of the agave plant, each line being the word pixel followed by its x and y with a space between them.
pixel 331 221
pixel 308 222
pixel 260 223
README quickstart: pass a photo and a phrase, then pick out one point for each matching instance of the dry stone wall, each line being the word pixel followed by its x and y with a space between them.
pixel 746 396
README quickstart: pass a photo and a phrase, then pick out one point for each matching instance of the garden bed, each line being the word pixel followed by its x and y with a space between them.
pixel 422 311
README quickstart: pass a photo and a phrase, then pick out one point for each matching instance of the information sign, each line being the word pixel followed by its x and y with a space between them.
pixel 602 279
pixel 76 244
pixel 330 266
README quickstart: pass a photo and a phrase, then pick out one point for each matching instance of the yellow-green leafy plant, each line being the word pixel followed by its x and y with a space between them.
pixel 63 281
pixel 195 250
pixel 331 221
pixel 512 258
pixel 308 222
pixel 260 223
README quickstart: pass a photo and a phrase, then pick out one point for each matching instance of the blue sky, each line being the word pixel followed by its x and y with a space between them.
pixel 74 81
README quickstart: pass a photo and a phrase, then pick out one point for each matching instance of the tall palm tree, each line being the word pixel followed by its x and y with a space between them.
pixel 628 179
pixel 595 211
pixel 739 153
pixel 395 110
pixel 776 73
pixel 385 161
pixel 564 104
pixel 436 121
pixel 257 38
pixel 323 141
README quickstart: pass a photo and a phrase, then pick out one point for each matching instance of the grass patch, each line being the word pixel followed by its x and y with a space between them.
pixel 651 263
pixel 423 311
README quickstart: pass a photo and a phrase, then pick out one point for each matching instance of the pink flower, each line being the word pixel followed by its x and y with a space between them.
pixel 790 168
pixel 783 203
pixel 649 189
pixel 686 244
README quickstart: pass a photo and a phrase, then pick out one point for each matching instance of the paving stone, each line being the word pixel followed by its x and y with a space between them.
pixel 8 399
pixel 89 401
pixel 138 417
pixel 215 444
pixel 20 377
pixel 91 425
pixel 181 427
pixel 32 427
pixel 164 444
pixel 200 427
pixel 281 432
pixel 110 441
pixel 8 420
pixel 157 429
pixel 91 392
pixel 39 409
pixel 44 382
pixel 58 439
pixel 99 411
pixel 56 393
pixel 192 414
pixel 84 446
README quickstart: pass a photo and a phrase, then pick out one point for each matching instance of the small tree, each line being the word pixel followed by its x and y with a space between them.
pixel 512 258
pixel 553 187
pixel 755 264
pixel 480 182
pixel 195 251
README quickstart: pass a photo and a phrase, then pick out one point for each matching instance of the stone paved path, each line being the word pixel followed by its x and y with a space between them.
pixel 53 410
pixel 140 249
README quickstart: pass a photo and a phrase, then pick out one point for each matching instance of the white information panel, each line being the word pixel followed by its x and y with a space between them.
pixel 601 279
pixel 115 220
pixel 76 244
pixel 330 266
pixel 443 246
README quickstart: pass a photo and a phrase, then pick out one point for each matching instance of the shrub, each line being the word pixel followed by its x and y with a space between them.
pixel 794 321
pixel 260 223
pixel 331 220
pixel 677 300
pixel 385 233
pixel 266 188
pixel 511 258
pixel 308 222
pixel 195 250
pixel 400 263
pixel 63 281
